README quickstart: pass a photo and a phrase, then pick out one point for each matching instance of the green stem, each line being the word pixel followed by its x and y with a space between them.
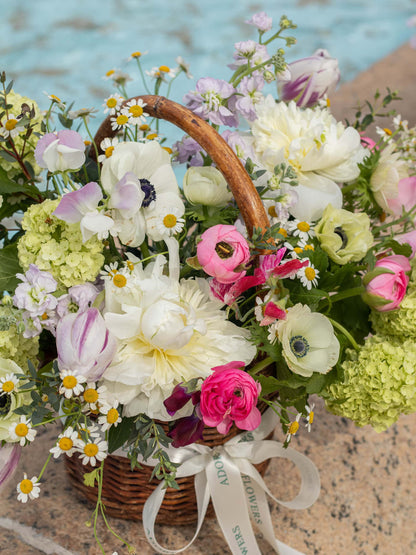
pixel 143 77
pixel 94 145
pixel 44 466
pixel 100 489
pixel 261 365
pixel 145 251
pixel 345 332
pixel 353 292
pixel 54 418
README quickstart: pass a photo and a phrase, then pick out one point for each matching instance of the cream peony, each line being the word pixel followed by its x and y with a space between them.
pixel 321 150
pixel 168 332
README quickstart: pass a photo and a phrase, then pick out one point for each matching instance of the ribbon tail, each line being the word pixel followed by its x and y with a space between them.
pixel 152 506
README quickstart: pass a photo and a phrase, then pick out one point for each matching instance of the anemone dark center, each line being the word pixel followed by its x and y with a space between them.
pixel 299 346
pixel 344 237
pixel 149 192
pixel 5 402
pixel 224 250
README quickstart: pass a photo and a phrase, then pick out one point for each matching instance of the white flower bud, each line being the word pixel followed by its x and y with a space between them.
pixel 206 185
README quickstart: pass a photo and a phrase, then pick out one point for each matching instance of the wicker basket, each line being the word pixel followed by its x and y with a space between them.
pixel 125 491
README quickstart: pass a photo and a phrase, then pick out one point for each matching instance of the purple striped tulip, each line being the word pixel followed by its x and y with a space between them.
pixel 9 458
pixel 310 79
pixel 84 344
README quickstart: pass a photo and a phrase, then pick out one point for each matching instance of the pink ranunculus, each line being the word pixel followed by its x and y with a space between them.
pixel 367 142
pixel 386 290
pixel 221 250
pixel 230 394
pixel 406 197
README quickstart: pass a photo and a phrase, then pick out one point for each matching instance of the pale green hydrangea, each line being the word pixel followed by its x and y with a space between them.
pixel 379 383
pixel 57 247
pixel 12 343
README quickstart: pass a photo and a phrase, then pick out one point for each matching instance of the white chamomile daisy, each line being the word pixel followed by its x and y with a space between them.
pixel 292 428
pixel 272 335
pixel 295 251
pixel 170 222
pixel 300 229
pixel 22 431
pixel 308 276
pixel 119 122
pixel 107 146
pixel 400 123
pixel 134 110
pixel 71 385
pixel 65 443
pixel 56 100
pixel 28 489
pixel 184 66
pixel 110 417
pixel 92 450
pixel 8 383
pixel 93 396
pixel 11 127
pixel 385 133
pixel 310 416
pixel 109 271
pixel 136 55
pixel 161 72
pixel 112 104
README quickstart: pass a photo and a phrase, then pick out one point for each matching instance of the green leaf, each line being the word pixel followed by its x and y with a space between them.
pixel 9 267
pixel 90 477
pixel 8 186
pixel 398 248
pixel 118 436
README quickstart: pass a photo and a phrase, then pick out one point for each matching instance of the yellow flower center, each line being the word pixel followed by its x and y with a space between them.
pixel 122 119
pixel 91 449
pixel 136 111
pixel 65 443
pixel 26 486
pixel 111 103
pixel 303 226
pixel 136 54
pixel 282 232
pixel 310 273
pixel 144 127
pixel 169 221
pixel 45 398
pixel 109 72
pixel 112 416
pixel 69 382
pixel 21 430
pixel 165 69
pixel 109 151
pixel 10 124
pixel 311 417
pixel 53 97
pixel 272 211
pixel 328 103
pixel 387 131
pixel 44 316
pixel 130 265
pixel 298 250
pixel 293 428
pixel 168 150
pixel 119 280
pixel 8 386
pixel 152 136
pixel 87 143
pixel 90 395
pixel 309 248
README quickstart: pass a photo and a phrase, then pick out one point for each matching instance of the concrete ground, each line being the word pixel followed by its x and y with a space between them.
pixel 366 504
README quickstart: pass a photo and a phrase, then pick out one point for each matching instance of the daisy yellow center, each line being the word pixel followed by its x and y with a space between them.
pixel 311 416
pixel 8 386
pixel 21 430
pixel 298 250
pixel 387 131
pixel 144 127
pixel 69 382
pixel 108 151
pixel 136 111
pixel 112 416
pixel 152 136
pixel 310 273
pixel 309 248
pixel 10 124
pixel 119 280
pixel 109 73
pixel 168 150
pixel 87 143
pixel 136 54
pixel 56 98
pixel 91 449
pixel 65 443
pixel 26 486
pixel 328 103
pixel 169 221
pixel 130 265
pixel 111 103
pixel 272 211
pixel 122 119
pixel 303 226
pixel 90 395
pixel 293 428
pixel 165 69
pixel 282 232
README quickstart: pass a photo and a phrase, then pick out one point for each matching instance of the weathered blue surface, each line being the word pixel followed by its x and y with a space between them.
pixel 65 47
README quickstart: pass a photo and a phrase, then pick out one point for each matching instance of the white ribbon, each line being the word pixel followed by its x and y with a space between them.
pixel 226 475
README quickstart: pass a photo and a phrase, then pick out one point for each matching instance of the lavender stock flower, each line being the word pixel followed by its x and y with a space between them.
pixel 34 294
pixel 261 20
pixel 210 101
pixel 249 88
pixel 249 51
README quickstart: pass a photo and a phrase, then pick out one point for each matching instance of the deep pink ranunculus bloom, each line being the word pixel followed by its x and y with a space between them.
pixel 221 250
pixel 390 286
pixel 230 395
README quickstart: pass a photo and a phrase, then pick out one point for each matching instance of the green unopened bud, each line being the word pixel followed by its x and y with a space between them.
pixel 268 76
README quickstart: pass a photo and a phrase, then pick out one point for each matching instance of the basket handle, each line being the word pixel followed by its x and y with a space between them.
pixel 244 192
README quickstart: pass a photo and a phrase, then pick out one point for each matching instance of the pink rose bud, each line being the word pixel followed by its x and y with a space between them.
pixel 230 394
pixel 221 251
pixel 60 151
pixel 310 79
pixel 84 344
pixel 386 285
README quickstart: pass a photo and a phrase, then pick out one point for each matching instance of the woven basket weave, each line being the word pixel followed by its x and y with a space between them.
pixel 125 491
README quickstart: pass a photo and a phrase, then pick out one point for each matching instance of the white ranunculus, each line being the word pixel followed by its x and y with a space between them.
pixel 384 181
pixel 308 341
pixel 168 332
pixel 206 185
pixel 321 150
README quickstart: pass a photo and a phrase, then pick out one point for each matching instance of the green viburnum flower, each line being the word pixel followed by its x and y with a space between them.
pixel 379 383
pixel 12 343
pixel 344 236
pixel 56 246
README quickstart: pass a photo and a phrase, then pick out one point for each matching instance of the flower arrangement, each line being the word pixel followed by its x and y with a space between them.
pixel 128 300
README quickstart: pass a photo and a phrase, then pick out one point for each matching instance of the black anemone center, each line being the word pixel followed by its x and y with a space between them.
pixel 224 250
pixel 5 402
pixel 299 346
pixel 149 192
pixel 341 233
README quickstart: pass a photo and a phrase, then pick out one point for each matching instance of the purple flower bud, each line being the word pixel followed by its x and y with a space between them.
pixel 261 20
pixel 311 79
pixel 179 397
pixel 84 344
pixel 186 430
pixel 9 458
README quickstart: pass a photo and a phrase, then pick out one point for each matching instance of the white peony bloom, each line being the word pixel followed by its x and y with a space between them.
pixel 321 151
pixel 308 341
pixel 206 185
pixel 384 181
pixel 168 332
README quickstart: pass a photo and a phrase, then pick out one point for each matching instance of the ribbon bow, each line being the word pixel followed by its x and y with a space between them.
pixel 226 475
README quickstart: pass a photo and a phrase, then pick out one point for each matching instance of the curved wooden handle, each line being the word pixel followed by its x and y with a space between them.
pixel 245 194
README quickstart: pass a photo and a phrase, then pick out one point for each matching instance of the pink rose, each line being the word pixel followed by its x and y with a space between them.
pixel 406 196
pixel 230 394
pixel 385 290
pixel 221 250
